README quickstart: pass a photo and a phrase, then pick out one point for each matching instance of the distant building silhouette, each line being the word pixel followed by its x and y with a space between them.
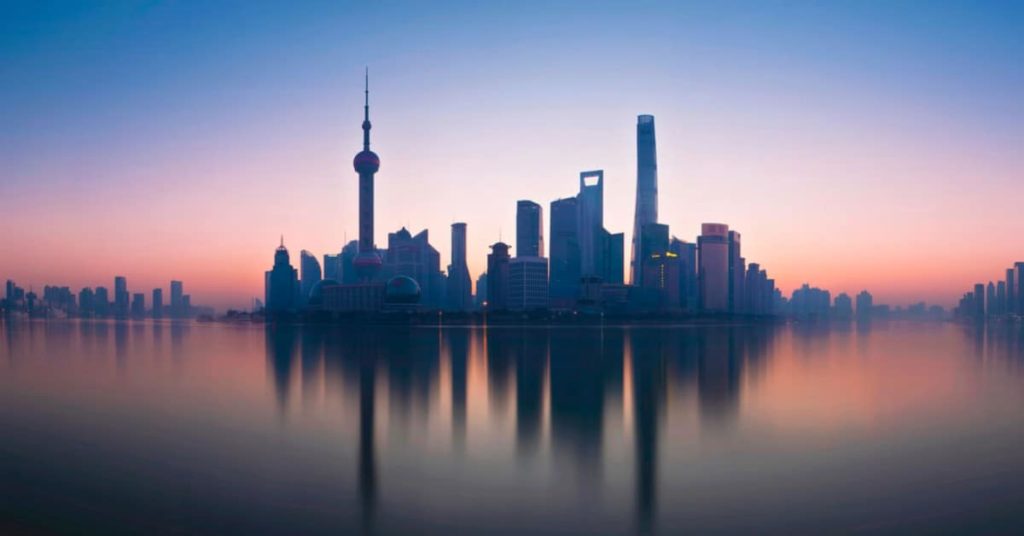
pixel 121 297
pixel 529 229
pixel 138 305
pixel 528 283
pixel 309 273
pixel 281 283
pixel 177 301
pixel 101 302
pixel 646 211
pixel 713 251
pixel 565 253
pixel 498 277
pixel 865 304
pixel 480 298
pixel 460 295
pixel 158 303
pixel 737 273
pixel 843 307
pixel 688 289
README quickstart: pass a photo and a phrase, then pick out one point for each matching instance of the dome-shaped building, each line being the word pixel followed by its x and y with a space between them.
pixel 402 291
pixel 316 294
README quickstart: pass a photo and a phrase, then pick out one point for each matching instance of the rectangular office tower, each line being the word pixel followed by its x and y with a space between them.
pixel 713 267
pixel 459 291
pixel 591 222
pixel 529 229
pixel 565 253
pixel 528 283
pixel 737 274
pixel 158 303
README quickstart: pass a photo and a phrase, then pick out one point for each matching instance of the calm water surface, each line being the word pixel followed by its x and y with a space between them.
pixel 142 428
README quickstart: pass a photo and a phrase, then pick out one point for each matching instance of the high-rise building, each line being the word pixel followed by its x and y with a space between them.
pixel 865 304
pixel 979 300
pixel 565 252
pixel 158 303
pixel 177 291
pixel 332 267
pixel 591 222
pixel 737 274
pixel 713 267
pixel 480 298
pixel 309 273
pixel 1019 272
pixel 459 290
pixel 498 277
pixel 101 302
pixel 528 283
pixel 281 283
pixel 1001 297
pixel 843 307
pixel 86 302
pixel 413 256
pixel 646 192
pixel 1011 291
pixel 990 299
pixel 121 296
pixel 613 251
pixel 529 229
pixel 348 259
pixel 659 270
pixel 368 262
pixel 688 290
pixel 138 305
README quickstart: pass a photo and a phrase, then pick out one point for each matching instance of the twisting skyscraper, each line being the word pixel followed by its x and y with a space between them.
pixel 646 192
pixel 367 262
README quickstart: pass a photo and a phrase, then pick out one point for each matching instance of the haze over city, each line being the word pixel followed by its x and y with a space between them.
pixel 853 150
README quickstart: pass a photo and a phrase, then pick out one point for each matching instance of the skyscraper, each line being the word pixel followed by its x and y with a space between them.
pixel 413 256
pixel 713 267
pixel 1019 269
pixel 309 272
pixel 565 252
pixel 177 291
pixel 281 283
pixel 158 303
pixel 737 273
pixel 460 294
pixel 138 305
pixel 865 304
pixel 498 277
pixel 366 163
pixel 646 192
pixel 687 253
pixel 591 222
pixel 1011 291
pixel 529 229
pixel 121 296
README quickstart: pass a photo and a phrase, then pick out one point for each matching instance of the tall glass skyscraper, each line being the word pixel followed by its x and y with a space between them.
pixel 459 291
pixel 646 192
pixel 310 274
pixel 529 229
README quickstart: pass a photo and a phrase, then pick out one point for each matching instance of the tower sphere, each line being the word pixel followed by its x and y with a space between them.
pixel 366 161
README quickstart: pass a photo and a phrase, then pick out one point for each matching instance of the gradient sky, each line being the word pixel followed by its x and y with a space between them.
pixel 854 145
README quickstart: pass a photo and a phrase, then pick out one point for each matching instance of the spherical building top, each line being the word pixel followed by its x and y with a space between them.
pixel 402 289
pixel 366 161
pixel 316 294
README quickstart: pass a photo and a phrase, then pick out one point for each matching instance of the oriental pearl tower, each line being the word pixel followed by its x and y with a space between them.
pixel 367 263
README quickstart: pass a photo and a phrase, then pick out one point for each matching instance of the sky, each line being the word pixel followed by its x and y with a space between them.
pixel 854 145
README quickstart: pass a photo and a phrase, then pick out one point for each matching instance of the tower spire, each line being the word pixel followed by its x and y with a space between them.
pixel 366 111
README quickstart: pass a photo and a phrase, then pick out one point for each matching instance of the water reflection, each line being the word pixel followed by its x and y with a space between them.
pixel 511 429
pixel 555 382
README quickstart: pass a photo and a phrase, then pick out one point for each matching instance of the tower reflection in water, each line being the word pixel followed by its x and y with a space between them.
pixel 551 392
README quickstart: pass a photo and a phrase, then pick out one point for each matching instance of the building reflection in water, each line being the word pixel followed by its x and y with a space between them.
pixel 565 378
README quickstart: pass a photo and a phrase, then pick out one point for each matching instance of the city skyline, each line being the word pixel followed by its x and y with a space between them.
pixel 852 179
